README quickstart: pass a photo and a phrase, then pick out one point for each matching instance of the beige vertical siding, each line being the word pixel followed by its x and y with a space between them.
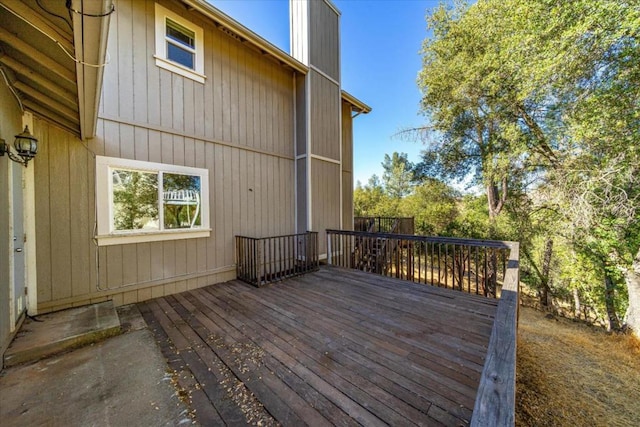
pixel 246 99
pixel 302 194
pixel 324 39
pixel 301 115
pixel 347 167
pixel 325 116
pixel 325 191
pixel 250 193
pixel 5 303
pixel 10 123
pixel 299 13
pixel 238 125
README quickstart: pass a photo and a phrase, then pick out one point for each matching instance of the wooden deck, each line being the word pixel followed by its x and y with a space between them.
pixel 336 346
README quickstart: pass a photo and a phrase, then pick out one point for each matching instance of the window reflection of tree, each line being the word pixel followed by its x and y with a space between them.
pixel 135 200
pixel 181 194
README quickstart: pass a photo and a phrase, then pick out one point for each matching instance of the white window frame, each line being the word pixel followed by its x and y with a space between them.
pixel 107 235
pixel 197 74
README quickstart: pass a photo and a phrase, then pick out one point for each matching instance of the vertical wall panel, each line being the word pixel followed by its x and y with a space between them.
pixel 152 75
pixel 325 188
pixel 43 213
pixel 112 268
pixel 177 102
pixel 301 195
pixel 180 257
pixel 189 106
pixel 129 264
pixel 347 138
pixel 139 60
pixel 6 323
pixel 127 142
pixel 324 39
pixel 143 261
pixel 325 116
pixel 166 100
pixel 60 208
pixel 155 146
pixel 80 226
pixel 125 57
pixel 242 190
pixel 220 207
pixel 347 167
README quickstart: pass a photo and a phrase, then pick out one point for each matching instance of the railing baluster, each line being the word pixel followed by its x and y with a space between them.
pixel 264 260
pixel 469 270
pixel 459 261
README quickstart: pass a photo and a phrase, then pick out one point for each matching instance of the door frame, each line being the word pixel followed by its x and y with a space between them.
pixel 29 235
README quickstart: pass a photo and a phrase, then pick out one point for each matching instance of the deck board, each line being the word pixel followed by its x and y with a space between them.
pixel 335 347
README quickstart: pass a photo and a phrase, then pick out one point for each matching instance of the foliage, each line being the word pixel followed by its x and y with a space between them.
pixel 398 175
pixel 433 205
pixel 181 214
pixel 539 100
pixel 135 199
pixel 372 200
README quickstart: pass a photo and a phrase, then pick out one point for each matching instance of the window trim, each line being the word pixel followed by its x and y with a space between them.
pixel 106 235
pixel 161 16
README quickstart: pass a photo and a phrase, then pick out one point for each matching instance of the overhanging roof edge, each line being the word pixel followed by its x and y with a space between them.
pixel 355 102
pixel 231 24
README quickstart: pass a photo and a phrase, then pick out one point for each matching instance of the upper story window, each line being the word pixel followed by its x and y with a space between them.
pixel 143 201
pixel 179 45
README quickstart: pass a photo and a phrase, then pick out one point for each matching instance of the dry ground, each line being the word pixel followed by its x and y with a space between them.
pixel 572 374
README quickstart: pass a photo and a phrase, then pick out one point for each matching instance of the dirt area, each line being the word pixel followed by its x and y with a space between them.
pixel 572 374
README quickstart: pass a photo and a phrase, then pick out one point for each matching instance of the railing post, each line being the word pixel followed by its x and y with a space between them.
pixel 329 254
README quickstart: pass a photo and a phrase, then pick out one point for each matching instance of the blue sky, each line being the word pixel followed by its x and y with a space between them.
pixel 381 41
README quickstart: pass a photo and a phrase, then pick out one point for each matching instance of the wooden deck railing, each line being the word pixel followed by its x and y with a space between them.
pixel 474 266
pixel 380 224
pixel 496 399
pixel 485 267
pixel 269 259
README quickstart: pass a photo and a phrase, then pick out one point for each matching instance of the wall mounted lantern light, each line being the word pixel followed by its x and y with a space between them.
pixel 26 145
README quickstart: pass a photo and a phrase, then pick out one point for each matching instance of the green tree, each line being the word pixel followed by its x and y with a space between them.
pixel 398 175
pixel 372 200
pixel 434 206
pixel 135 199
pixel 538 98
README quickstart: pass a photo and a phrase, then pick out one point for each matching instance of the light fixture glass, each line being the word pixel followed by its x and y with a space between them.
pixel 25 144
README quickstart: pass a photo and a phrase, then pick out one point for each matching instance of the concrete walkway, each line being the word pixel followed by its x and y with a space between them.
pixel 122 381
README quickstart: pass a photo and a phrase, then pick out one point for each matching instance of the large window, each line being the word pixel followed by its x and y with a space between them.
pixel 142 201
pixel 179 45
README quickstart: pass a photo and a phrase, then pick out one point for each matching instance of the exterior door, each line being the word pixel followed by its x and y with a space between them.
pixel 19 264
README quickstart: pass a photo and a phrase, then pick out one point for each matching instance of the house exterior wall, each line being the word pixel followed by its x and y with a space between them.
pixel 10 123
pixel 239 125
pixel 325 117
pixel 315 40
pixel 325 188
pixel 5 303
pixel 324 38
pixel 347 167
pixel 272 139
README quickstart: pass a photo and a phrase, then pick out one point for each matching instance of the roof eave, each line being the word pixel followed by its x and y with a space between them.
pixel 90 33
pixel 246 35
pixel 356 104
